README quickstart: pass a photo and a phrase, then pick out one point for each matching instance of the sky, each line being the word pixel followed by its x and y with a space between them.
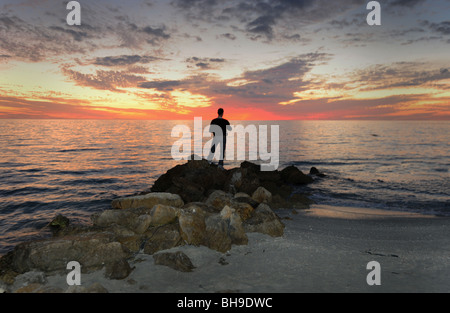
pixel 258 59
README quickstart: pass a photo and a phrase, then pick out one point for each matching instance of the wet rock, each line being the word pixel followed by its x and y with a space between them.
pixel 178 261
pixel 316 172
pixel 59 223
pixel 292 175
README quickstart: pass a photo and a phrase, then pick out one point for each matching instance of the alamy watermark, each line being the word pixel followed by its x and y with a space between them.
pixel 257 143
pixel 74 16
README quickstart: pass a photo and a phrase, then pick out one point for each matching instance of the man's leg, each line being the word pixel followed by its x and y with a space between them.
pixel 223 145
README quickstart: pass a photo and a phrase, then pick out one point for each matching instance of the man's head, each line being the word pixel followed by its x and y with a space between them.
pixel 220 112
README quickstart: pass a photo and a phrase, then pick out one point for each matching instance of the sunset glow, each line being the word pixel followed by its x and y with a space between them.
pixel 260 60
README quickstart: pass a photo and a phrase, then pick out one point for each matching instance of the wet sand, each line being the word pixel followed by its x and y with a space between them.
pixel 324 249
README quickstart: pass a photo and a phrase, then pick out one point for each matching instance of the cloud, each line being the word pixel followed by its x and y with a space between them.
pixel 266 86
pixel 124 60
pixel 12 107
pixel 228 36
pixel 442 27
pixel 103 80
pixel 205 63
pixel 400 75
pixel 167 85
pixel 264 19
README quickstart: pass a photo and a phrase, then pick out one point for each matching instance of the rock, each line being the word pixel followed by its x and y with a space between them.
pixel 142 223
pixel 126 218
pixel 32 277
pixel 282 189
pixel 224 229
pixel 59 223
pixel 262 195
pixel 243 209
pixel 163 214
pixel 247 200
pixel 119 269
pixel 219 199
pixel 192 226
pixel 192 180
pixel 137 220
pixel 292 175
pixel 265 221
pixel 29 288
pixel 201 207
pixel 241 195
pixel 162 238
pixel 315 171
pixel 188 190
pixel 91 250
pixel 93 288
pixel 175 260
pixel 148 201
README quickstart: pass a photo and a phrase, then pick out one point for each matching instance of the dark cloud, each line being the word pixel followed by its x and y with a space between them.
pixel 124 60
pixel 228 36
pixel 75 34
pixel 442 27
pixel 264 19
pixel 158 32
pixel 407 3
pixel 166 85
pixel 205 63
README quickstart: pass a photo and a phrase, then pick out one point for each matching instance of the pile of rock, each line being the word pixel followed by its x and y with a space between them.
pixel 195 203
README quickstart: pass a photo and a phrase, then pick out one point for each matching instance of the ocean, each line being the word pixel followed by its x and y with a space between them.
pixel 76 167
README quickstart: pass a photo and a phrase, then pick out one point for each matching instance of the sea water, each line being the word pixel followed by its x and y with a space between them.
pixel 76 167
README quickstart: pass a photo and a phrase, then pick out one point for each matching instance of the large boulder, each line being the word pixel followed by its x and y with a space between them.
pixel 148 201
pixel 292 175
pixel 178 261
pixel 92 250
pixel 264 220
pixel 162 238
pixel 192 225
pixel 192 180
pixel 224 229
pixel 262 195
pixel 137 220
pixel 219 199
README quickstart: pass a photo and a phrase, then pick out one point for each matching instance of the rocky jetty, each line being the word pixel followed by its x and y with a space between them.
pixel 195 203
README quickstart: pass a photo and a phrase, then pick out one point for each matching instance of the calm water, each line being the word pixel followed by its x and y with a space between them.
pixel 76 167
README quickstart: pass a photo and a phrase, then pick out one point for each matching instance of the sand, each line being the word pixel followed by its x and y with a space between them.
pixel 324 249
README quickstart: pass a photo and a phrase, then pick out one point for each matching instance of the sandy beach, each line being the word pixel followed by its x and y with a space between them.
pixel 323 249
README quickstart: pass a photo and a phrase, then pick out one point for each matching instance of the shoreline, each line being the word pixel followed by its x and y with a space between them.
pixel 315 254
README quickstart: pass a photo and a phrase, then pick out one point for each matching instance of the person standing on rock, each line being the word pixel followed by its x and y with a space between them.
pixel 219 127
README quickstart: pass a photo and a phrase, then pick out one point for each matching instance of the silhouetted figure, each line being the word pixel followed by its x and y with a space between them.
pixel 219 127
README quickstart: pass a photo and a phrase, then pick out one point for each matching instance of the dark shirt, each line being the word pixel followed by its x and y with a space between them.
pixel 222 123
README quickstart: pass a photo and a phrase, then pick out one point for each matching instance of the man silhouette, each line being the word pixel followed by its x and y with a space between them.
pixel 219 128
